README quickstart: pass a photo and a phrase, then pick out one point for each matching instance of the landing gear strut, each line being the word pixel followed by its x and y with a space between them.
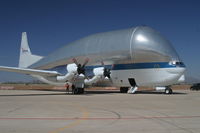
pixel 168 90
pixel 133 87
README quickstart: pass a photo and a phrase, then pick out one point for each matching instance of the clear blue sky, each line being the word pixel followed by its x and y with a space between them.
pixel 51 24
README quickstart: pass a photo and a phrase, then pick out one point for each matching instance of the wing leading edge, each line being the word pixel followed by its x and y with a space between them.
pixel 29 71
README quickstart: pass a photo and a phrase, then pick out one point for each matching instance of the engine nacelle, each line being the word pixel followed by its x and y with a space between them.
pixel 98 71
pixel 98 75
pixel 72 68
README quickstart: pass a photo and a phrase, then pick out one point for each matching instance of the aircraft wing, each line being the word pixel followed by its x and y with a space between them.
pixel 29 71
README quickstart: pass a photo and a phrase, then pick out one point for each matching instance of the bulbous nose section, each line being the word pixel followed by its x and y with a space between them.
pixel 148 45
pixel 178 70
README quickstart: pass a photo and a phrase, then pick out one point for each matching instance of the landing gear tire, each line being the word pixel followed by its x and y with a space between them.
pixel 168 91
pixel 80 90
pixel 76 91
pixel 123 89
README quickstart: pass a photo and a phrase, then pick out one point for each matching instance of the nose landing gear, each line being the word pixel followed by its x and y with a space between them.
pixel 168 90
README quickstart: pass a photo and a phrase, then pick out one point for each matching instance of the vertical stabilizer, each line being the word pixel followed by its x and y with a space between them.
pixel 26 57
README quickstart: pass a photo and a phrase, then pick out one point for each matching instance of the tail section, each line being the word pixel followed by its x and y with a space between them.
pixel 26 57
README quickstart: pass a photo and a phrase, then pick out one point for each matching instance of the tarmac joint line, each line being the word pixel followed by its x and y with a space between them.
pixel 77 121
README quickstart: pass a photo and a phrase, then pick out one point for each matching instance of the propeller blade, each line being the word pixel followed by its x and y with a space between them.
pixel 80 68
pixel 107 72
pixel 75 61
pixel 86 61
pixel 102 63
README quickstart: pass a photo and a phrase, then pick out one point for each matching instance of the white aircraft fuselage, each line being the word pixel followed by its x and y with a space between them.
pixel 138 56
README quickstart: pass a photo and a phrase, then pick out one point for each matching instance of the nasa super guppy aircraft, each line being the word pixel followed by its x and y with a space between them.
pixel 127 58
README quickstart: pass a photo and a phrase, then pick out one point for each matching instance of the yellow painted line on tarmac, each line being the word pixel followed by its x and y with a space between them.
pixel 85 114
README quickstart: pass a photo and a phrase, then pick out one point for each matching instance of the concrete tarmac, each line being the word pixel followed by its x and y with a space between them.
pixel 23 111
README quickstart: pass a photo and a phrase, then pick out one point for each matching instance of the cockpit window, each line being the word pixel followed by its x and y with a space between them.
pixel 177 63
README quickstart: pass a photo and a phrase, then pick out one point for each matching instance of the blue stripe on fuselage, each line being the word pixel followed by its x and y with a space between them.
pixel 89 69
pixel 146 65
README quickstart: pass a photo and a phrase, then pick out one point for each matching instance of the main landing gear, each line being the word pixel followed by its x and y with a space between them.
pixel 123 89
pixel 131 89
pixel 78 85
pixel 76 90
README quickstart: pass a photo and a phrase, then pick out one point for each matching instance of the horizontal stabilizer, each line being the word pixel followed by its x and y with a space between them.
pixel 29 71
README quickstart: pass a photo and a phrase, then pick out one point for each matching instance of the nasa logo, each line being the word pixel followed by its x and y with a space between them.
pixel 24 50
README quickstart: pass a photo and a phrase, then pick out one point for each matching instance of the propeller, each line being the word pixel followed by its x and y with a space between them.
pixel 81 68
pixel 106 72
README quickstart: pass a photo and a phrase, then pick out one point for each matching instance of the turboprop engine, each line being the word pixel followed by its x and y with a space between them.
pixel 72 71
pixel 100 73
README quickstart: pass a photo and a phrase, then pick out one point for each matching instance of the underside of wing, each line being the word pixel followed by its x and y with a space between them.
pixel 29 71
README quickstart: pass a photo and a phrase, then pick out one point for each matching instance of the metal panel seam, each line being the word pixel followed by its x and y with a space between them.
pixel 131 54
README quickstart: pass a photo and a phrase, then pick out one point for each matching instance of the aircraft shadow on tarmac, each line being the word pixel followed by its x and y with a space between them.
pixel 136 93
pixel 93 92
pixel 46 94
pixel 159 92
